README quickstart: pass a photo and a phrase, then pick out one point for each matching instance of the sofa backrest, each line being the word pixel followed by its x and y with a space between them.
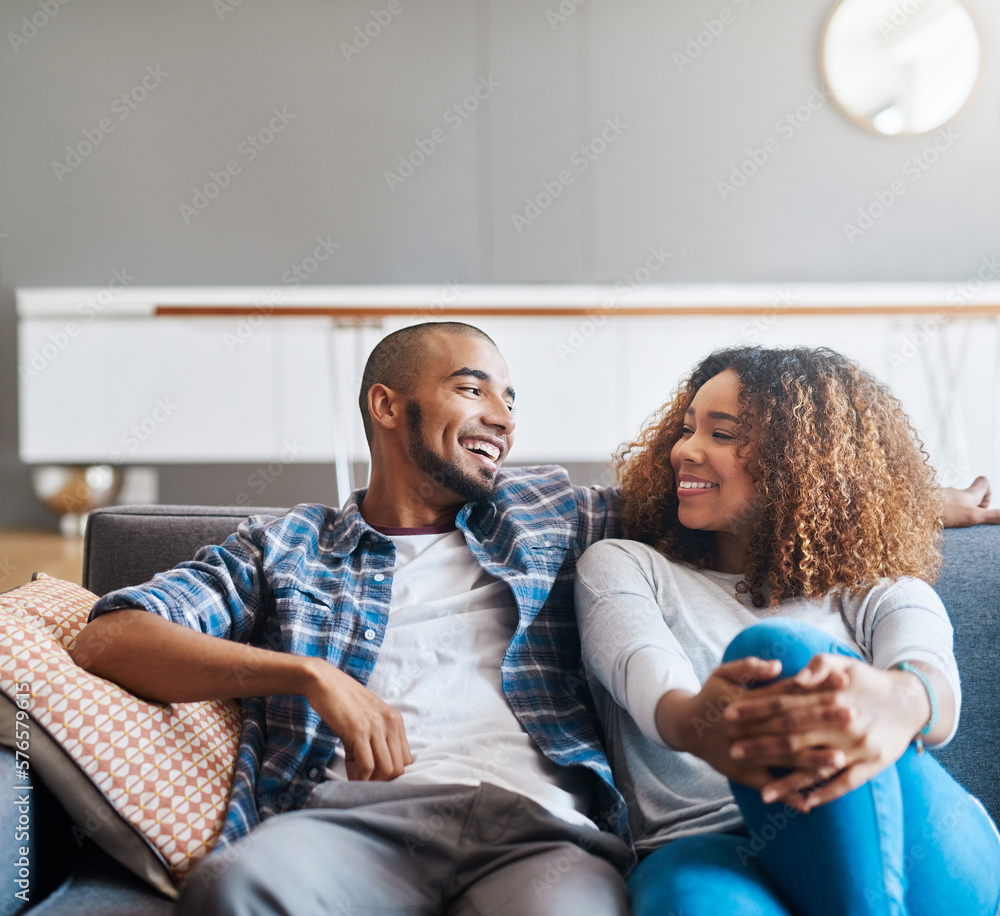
pixel 127 545
pixel 969 586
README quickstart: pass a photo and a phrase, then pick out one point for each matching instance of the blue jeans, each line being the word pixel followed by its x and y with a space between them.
pixel 909 841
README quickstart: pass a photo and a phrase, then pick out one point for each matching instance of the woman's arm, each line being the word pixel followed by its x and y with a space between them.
pixel 625 641
pixel 629 647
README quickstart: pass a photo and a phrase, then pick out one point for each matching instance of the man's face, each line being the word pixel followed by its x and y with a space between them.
pixel 459 416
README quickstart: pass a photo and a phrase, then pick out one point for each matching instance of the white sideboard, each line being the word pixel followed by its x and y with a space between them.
pixel 147 375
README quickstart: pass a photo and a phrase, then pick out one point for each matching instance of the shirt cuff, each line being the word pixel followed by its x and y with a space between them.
pixel 650 674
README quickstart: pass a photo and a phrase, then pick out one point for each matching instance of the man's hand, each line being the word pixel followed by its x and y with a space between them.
pixel 698 723
pixel 963 508
pixel 371 730
pixel 188 666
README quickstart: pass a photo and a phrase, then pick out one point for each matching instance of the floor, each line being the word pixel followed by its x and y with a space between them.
pixel 25 552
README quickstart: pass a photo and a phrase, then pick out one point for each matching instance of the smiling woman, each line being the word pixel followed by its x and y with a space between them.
pixel 714 490
pixel 785 517
pixel 841 489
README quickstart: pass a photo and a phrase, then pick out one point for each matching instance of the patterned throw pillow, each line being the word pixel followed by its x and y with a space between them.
pixel 147 783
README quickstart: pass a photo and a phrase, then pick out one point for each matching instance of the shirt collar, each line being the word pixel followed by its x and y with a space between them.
pixel 475 518
pixel 348 530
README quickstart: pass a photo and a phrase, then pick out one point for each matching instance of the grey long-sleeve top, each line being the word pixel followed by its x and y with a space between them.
pixel 650 625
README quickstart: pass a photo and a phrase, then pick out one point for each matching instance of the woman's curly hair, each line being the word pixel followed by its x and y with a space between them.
pixel 844 491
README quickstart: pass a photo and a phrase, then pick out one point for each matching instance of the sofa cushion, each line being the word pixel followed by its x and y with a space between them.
pixel 148 783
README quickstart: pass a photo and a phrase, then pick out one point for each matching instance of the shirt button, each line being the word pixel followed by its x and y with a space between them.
pixel 379 577
pixel 313 773
pixel 369 633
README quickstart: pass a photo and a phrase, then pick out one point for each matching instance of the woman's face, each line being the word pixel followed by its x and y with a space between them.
pixel 714 488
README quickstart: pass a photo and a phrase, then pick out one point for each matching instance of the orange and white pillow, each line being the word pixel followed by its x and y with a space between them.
pixel 147 783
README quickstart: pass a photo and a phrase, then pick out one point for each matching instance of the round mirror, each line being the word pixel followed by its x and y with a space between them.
pixel 901 66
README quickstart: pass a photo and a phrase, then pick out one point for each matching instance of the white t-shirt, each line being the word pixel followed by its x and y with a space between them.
pixel 450 623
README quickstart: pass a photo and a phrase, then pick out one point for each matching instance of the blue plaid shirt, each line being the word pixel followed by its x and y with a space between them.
pixel 317 581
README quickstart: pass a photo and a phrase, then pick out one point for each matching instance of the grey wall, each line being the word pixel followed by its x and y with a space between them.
pixel 555 86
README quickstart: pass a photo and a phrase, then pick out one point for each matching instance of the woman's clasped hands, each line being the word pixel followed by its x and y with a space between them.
pixel 803 740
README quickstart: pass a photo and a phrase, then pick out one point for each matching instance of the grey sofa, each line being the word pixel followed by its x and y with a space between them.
pixel 127 545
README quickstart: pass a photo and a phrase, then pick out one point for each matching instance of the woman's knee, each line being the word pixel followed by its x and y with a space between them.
pixel 792 642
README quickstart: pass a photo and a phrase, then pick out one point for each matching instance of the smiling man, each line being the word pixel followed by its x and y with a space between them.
pixel 416 734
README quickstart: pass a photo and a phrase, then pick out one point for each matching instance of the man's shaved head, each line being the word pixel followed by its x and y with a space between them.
pixel 398 359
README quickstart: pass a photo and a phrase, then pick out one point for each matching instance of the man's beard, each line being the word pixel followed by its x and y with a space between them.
pixel 442 472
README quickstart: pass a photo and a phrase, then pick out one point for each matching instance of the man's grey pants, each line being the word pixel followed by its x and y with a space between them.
pixel 366 848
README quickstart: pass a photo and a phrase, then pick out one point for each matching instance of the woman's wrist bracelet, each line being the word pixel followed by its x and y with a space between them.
pixel 931 696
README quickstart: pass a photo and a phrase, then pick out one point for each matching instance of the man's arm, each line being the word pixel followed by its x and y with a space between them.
pixel 165 662
pixel 964 508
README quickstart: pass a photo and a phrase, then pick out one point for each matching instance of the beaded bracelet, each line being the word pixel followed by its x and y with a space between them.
pixel 931 695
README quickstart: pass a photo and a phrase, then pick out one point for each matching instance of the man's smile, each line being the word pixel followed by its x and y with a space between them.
pixel 486 448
